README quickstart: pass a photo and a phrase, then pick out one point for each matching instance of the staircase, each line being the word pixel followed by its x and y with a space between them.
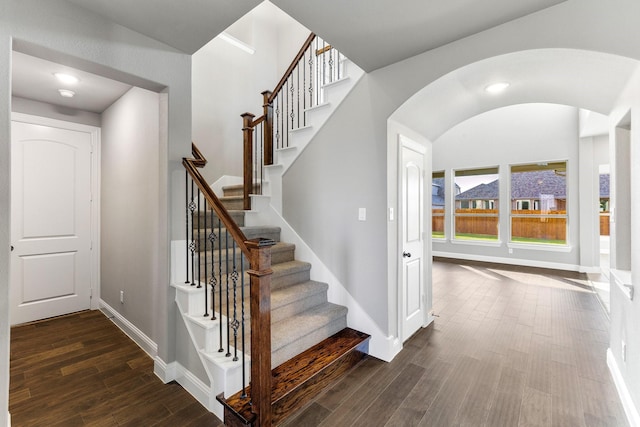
pixel 310 341
pixel 300 340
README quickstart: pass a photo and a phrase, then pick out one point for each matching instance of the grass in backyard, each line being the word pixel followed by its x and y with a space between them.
pixel 538 241
pixel 470 236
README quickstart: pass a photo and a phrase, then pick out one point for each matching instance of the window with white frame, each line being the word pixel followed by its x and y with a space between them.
pixel 539 203
pixel 437 205
pixel 475 216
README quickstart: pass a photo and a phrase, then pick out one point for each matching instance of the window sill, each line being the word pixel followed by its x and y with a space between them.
pixel 493 244
pixel 540 247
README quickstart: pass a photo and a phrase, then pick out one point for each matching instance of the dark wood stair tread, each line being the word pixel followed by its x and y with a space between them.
pixel 299 379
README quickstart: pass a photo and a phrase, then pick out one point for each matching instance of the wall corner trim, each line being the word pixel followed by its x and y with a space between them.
pixel 627 402
pixel 166 372
pixel 143 341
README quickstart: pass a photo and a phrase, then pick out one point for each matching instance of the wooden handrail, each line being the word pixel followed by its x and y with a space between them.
pixel 295 61
pixel 192 165
pixel 258 253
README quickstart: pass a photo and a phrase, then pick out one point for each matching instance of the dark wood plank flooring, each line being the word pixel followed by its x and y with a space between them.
pixel 81 370
pixel 511 346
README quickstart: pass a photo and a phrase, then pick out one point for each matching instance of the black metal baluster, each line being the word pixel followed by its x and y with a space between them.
pixel 192 245
pixel 236 323
pixel 311 75
pixel 213 280
pixel 227 290
pixel 292 114
pixel 244 376
pixel 324 64
pixel 304 85
pixel 277 121
pixel 197 240
pixel 298 93
pixel 221 349
pixel 261 164
pixel 286 113
pixel 206 260
pixel 186 234
pixel 331 62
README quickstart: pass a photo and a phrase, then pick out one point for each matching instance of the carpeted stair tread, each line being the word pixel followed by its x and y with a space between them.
pixel 293 328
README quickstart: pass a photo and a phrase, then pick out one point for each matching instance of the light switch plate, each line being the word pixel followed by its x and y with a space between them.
pixel 362 214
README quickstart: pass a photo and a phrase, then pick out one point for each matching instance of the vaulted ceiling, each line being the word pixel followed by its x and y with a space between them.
pixel 372 33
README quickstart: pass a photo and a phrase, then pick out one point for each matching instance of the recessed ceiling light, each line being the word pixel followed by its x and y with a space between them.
pixel 66 93
pixel 66 78
pixel 496 87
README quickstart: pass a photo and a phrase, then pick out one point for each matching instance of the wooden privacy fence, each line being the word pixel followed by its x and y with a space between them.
pixel 604 223
pixel 485 222
pixel 538 227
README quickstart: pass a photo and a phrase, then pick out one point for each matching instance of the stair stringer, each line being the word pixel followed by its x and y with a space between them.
pixel 317 116
pixel 382 346
pixel 225 375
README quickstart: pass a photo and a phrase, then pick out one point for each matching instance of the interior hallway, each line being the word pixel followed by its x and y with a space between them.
pixel 511 346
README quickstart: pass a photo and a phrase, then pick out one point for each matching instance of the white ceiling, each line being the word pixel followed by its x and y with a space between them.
pixel 584 79
pixel 32 78
pixel 185 25
pixel 376 33
pixel 372 33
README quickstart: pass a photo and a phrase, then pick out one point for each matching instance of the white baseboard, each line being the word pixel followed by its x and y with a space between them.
pixel 627 402
pixel 143 341
pixel 8 419
pixel 510 261
pixel 166 373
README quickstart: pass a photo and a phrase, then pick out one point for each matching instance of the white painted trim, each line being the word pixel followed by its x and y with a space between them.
pixel 174 371
pixel 8 419
pixel 166 372
pixel 195 387
pixel 625 396
pixel 509 261
pixel 143 341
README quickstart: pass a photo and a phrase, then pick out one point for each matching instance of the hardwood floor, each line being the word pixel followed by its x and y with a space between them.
pixel 511 346
pixel 81 370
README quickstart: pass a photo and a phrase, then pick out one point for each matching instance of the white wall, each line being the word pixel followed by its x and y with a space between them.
pixel 228 82
pixel 42 109
pixel 58 31
pixel 525 133
pixel 625 314
pixel 5 211
pixel 344 167
pixel 130 258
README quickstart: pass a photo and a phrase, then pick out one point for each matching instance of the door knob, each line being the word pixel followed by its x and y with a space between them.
pixel 11 248
pixel 406 254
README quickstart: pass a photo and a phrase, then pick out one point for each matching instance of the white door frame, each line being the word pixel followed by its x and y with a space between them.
pixel 95 190
pixel 403 141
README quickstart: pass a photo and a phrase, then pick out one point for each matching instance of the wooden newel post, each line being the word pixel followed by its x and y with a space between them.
pixel 247 132
pixel 267 106
pixel 260 295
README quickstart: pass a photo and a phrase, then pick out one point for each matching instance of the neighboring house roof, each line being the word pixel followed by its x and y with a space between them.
pixel 604 185
pixel 480 192
pixel 437 196
pixel 530 185
pixel 524 185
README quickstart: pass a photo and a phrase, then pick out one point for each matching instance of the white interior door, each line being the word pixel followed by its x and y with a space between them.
pixel 412 214
pixel 50 221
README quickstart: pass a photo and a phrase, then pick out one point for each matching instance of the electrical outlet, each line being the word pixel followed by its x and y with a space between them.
pixel 121 297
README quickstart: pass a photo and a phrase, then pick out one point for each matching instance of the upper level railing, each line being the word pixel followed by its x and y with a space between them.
pixel 217 254
pixel 316 65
